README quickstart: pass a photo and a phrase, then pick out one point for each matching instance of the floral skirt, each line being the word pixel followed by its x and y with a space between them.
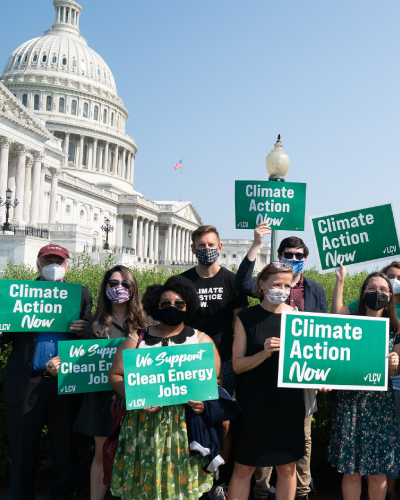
pixel 364 435
pixel 152 461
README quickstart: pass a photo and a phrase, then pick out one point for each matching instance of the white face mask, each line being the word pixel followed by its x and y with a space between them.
pixel 53 272
pixel 276 295
pixel 395 286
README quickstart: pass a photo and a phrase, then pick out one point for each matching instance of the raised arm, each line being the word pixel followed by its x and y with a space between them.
pixel 337 297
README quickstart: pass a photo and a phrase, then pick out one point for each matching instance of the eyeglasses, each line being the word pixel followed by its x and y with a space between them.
pixel 114 283
pixel 278 265
pixel 179 304
pixel 373 289
pixel 291 255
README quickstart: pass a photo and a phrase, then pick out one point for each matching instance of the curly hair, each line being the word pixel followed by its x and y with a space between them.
pixel 178 284
pixel 135 316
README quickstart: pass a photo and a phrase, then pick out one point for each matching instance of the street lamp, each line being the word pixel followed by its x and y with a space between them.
pixel 277 163
pixel 107 229
pixel 8 203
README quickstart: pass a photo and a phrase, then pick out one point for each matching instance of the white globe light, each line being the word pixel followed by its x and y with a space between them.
pixel 277 161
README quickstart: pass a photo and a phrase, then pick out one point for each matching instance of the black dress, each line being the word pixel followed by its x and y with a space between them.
pixel 272 430
pixel 95 417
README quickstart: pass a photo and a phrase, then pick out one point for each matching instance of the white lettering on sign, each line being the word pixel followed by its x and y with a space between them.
pixel 307 373
pixel 259 192
pixel 29 291
pixel 309 329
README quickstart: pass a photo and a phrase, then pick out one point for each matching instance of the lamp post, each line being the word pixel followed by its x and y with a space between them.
pixel 277 163
pixel 107 229
pixel 8 203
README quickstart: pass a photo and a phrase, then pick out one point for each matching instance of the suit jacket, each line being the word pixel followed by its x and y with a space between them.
pixel 19 364
pixel 314 294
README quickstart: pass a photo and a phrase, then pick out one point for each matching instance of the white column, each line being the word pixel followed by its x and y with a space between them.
pixel 53 195
pixel 169 242
pixel 132 168
pixel 20 186
pixel 178 245
pixel 73 214
pixel 123 163
pixel 174 244
pixel 156 242
pixel 116 153
pixel 36 198
pixel 183 245
pixel 27 189
pixel 4 154
pixel 134 233
pixel 106 158
pixel 94 164
pixel 119 232
pixel 12 172
pixel 140 238
pixel 151 246
pixel 187 252
pixel 146 237
pixel 66 148
pixel 90 156
pixel 91 215
pixel 166 245
pixel 62 210
pixel 80 156
pixel 128 164
pixel 42 205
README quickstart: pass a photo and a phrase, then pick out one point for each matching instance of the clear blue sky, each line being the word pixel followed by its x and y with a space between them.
pixel 216 81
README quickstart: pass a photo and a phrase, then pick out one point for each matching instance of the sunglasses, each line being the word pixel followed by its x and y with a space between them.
pixel 114 283
pixel 279 265
pixel 179 304
pixel 290 255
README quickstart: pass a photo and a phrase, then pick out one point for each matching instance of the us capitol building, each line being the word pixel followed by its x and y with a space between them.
pixel 66 157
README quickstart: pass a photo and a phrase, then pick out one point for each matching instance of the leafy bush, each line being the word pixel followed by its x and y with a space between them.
pixel 84 271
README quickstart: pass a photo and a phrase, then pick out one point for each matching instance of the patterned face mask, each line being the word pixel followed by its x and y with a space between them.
pixel 206 256
pixel 119 294
pixel 276 295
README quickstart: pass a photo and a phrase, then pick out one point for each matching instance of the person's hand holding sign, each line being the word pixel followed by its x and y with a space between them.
pixel 393 358
pixel 151 409
pixel 53 365
pixel 259 232
pixel 197 406
pixel 79 326
pixel 272 345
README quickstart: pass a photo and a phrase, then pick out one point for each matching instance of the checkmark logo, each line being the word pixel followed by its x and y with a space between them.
pixel 365 378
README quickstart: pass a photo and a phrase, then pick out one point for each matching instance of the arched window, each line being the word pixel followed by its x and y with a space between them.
pixel 105 76
pixel 36 102
pixel 105 116
pixel 25 100
pixel 19 59
pixel 49 102
pixel 44 58
pixel 26 58
pixel 74 63
pixel 35 58
pixel 96 113
pixel 103 158
pixel 98 71
pixel 84 154
pixel 112 119
pixel 73 108
pixel 54 60
pixel 85 110
pixel 61 105
pixel 64 61
pixel 71 152
pixel 91 68
pixel 66 15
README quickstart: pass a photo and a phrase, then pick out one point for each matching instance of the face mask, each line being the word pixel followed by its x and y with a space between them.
pixel 298 265
pixel 119 294
pixel 206 256
pixel 276 295
pixel 171 316
pixel 395 286
pixel 376 300
pixel 53 272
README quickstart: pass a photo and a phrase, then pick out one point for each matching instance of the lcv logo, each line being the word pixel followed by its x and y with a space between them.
pixel 373 377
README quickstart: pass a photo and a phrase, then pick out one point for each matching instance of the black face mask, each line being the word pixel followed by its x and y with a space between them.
pixel 376 300
pixel 171 316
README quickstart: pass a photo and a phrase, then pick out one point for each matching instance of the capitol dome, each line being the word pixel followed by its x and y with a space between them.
pixel 69 86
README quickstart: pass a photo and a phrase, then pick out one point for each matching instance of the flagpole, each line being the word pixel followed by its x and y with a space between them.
pixel 180 198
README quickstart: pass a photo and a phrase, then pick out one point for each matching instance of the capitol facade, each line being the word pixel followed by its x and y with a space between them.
pixel 67 159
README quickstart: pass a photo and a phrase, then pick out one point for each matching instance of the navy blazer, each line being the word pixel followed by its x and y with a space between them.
pixel 314 294
pixel 19 364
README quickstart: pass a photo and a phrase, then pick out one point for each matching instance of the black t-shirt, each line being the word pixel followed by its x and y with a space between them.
pixel 218 299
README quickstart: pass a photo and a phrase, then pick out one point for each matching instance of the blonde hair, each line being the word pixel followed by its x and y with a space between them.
pixel 268 271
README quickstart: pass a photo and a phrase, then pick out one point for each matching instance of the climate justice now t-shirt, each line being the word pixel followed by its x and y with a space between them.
pixel 218 299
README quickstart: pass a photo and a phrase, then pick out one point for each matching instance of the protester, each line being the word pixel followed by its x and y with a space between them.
pixel 31 394
pixel 392 271
pixel 119 312
pixel 219 305
pixel 271 432
pixel 364 436
pixel 307 295
pixel 152 461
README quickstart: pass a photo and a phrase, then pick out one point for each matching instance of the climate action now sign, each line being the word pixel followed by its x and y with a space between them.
pixel 281 204
pixel 363 235
pixel 85 365
pixel 43 306
pixel 333 351
pixel 169 375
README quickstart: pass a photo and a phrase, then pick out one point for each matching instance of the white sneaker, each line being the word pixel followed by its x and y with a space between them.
pixel 219 492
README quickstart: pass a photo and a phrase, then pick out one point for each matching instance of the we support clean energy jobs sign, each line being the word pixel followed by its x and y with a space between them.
pixel 364 235
pixel 169 375
pixel 281 204
pixel 333 351
pixel 85 365
pixel 42 306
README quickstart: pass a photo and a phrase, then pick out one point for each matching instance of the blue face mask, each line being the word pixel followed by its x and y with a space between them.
pixel 298 265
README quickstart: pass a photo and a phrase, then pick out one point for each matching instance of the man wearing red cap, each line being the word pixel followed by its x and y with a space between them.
pixel 31 394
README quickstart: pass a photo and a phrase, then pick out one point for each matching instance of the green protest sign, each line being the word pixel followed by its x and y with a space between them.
pixel 43 306
pixel 169 375
pixel 363 235
pixel 333 351
pixel 281 204
pixel 85 365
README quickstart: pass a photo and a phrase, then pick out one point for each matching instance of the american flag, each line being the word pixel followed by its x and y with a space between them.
pixel 178 165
